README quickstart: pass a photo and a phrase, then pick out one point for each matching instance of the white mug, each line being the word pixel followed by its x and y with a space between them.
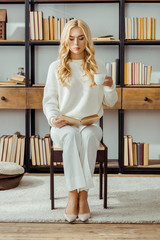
pixel 99 78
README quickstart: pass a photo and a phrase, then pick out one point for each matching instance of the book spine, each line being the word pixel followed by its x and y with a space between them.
pixel 126 151
pixel 138 153
pixel 117 71
pixel 146 154
pixel 141 153
pixel 130 150
pixel 134 154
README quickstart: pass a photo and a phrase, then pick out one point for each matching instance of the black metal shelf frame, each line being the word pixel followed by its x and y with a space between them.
pixel 5 43
pixel 30 115
pixel 59 169
pixel 142 42
pixel 27 69
pixel 30 73
pixel 141 170
pixel 56 43
pixel 75 2
pixel 141 1
pixel 123 169
pixel 10 2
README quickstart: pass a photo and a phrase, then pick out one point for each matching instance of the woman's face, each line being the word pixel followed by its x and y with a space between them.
pixel 77 43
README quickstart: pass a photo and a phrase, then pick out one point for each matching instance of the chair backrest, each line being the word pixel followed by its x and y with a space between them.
pixel 101 125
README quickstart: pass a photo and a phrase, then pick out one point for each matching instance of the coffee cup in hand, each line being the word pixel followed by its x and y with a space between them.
pixel 99 78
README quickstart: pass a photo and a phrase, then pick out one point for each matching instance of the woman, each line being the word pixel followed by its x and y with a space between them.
pixel 70 90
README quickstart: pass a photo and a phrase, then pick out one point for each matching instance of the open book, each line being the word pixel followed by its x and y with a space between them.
pixel 83 121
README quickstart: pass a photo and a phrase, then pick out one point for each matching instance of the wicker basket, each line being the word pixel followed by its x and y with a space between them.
pixel 3 20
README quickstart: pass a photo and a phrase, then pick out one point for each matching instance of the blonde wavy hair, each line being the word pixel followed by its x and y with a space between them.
pixel 89 64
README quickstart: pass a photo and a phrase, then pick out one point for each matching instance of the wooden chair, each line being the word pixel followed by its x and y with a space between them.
pixel 102 158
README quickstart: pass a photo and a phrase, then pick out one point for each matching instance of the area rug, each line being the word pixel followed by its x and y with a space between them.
pixel 130 200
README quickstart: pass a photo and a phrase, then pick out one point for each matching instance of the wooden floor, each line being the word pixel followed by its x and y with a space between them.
pixel 48 231
pixel 66 231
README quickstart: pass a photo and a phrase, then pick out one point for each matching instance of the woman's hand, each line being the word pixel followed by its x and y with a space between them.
pixel 59 122
pixel 108 81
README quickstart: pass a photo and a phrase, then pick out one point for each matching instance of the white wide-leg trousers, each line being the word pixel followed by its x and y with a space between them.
pixel 79 154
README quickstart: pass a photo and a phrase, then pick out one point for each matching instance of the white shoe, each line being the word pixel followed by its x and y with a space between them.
pixel 70 218
pixel 84 217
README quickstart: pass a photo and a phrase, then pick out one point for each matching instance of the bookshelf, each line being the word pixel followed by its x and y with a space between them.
pixel 33 92
pixel 139 99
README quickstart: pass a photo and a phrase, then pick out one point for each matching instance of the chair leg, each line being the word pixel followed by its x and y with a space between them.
pixel 52 179
pixel 105 178
pixel 100 180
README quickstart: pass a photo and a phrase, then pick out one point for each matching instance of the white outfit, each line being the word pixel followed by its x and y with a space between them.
pixel 77 99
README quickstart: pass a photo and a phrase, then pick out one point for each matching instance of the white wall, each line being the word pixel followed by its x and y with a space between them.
pixel 103 19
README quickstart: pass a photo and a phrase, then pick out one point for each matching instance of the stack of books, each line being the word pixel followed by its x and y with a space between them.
pixel 46 28
pixel 104 38
pixel 17 79
pixel 12 148
pixel 135 73
pixel 135 153
pixel 40 150
pixel 140 28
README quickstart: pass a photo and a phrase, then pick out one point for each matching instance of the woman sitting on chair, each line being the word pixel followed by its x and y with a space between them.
pixel 70 90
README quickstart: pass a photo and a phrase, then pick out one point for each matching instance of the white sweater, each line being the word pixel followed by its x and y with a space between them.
pixel 76 99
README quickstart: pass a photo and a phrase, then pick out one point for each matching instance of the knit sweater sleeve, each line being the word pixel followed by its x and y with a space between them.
pixel 50 97
pixel 110 96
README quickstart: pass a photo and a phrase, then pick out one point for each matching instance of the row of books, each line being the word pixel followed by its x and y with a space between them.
pixel 113 70
pixel 135 73
pixel 40 150
pixel 140 28
pixel 135 153
pixel 12 148
pixel 46 28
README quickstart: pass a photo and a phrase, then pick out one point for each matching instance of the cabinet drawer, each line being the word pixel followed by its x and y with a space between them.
pixel 118 103
pixel 12 98
pixel 141 98
pixel 34 98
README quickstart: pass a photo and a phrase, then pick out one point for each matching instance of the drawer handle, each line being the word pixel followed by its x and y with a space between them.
pixel 146 99
pixel 3 98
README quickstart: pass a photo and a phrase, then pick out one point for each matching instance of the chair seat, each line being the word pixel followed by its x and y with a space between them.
pixel 57 147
